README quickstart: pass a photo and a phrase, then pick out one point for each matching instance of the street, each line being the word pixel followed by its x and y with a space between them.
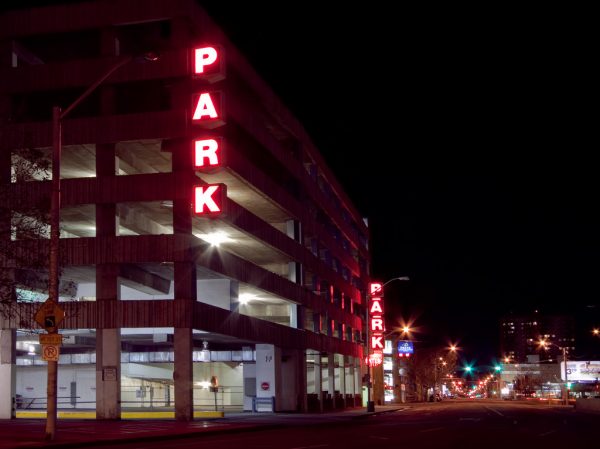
pixel 449 424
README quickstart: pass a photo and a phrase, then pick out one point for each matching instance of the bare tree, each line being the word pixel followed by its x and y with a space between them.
pixel 24 217
pixel 527 384
pixel 430 367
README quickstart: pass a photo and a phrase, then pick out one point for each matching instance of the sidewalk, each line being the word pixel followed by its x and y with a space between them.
pixel 78 433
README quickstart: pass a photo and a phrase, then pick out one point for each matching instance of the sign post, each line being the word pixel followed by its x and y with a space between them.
pixel 49 316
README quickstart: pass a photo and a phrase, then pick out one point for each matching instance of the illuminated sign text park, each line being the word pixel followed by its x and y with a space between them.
pixel 206 108
pixel 376 323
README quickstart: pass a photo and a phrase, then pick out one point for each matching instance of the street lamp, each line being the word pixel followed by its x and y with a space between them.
pixel 543 344
pixel 53 272
pixel 438 365
pixel 370 403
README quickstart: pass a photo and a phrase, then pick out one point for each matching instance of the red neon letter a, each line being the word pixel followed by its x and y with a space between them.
pixel 205 107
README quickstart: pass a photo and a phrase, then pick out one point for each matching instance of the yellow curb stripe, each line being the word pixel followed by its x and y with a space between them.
pixel 124 415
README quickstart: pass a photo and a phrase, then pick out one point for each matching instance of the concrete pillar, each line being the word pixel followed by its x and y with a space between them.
pixel 8 337
pixel 350 378
pixel 108 348
pixel 318 378
pixel 294 378
pixel 331 373
pixel 108 338
pixel 183 374
pixel 377 392
pixel 301 380
pixel 185 292
pixel 268 374
pixel 8 373
pixel 342 376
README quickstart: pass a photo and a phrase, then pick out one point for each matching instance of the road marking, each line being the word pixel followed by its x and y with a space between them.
pixel 308 447
pixel 494 410
pixel 470 419
pixel 546 433
pixel 433 430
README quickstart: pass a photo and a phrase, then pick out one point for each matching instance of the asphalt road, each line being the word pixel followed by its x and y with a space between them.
pixel 451 424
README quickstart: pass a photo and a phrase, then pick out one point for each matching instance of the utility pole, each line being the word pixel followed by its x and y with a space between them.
pixel 564 353
pixel 53 266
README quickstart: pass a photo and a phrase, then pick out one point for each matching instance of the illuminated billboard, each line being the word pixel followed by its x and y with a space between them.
pixel 405 347
pixel 581 370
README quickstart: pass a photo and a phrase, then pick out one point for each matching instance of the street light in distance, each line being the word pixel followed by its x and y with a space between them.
pixel 544 344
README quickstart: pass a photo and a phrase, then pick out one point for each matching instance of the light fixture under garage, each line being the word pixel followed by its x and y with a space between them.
pixel 214 238
pixel 246 297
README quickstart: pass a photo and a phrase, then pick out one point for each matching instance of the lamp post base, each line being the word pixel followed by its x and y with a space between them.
pixel 370 406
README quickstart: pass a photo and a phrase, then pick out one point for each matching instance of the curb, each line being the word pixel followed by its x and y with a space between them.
pixel 170 436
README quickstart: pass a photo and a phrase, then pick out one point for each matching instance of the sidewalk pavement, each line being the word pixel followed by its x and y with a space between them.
pixel 79 433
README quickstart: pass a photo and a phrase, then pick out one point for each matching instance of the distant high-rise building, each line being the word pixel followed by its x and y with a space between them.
pixel 520 335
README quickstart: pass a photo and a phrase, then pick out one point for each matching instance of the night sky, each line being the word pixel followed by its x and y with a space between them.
pixel 465 136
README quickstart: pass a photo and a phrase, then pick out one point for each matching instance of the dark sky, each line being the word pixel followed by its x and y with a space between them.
pixel 464 136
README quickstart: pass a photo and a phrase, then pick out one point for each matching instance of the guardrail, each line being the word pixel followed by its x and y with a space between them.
pixel 29 403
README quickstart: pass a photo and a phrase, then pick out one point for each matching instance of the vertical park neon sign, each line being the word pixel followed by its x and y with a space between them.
pixel 207 153
pixel 376 324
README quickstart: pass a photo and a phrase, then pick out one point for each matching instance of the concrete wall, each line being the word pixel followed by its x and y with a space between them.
pixel 142 385
pixel 32 383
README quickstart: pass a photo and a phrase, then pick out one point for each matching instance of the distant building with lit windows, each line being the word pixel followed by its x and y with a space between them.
pixel 520 335
pixel 202 234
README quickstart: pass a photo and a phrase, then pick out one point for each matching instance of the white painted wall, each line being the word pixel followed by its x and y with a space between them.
pixel 268 372
pixel 32 383
pixel 139 384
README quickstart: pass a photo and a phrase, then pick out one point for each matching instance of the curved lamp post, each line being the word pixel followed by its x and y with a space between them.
pixel 543 344
pixel 53 273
